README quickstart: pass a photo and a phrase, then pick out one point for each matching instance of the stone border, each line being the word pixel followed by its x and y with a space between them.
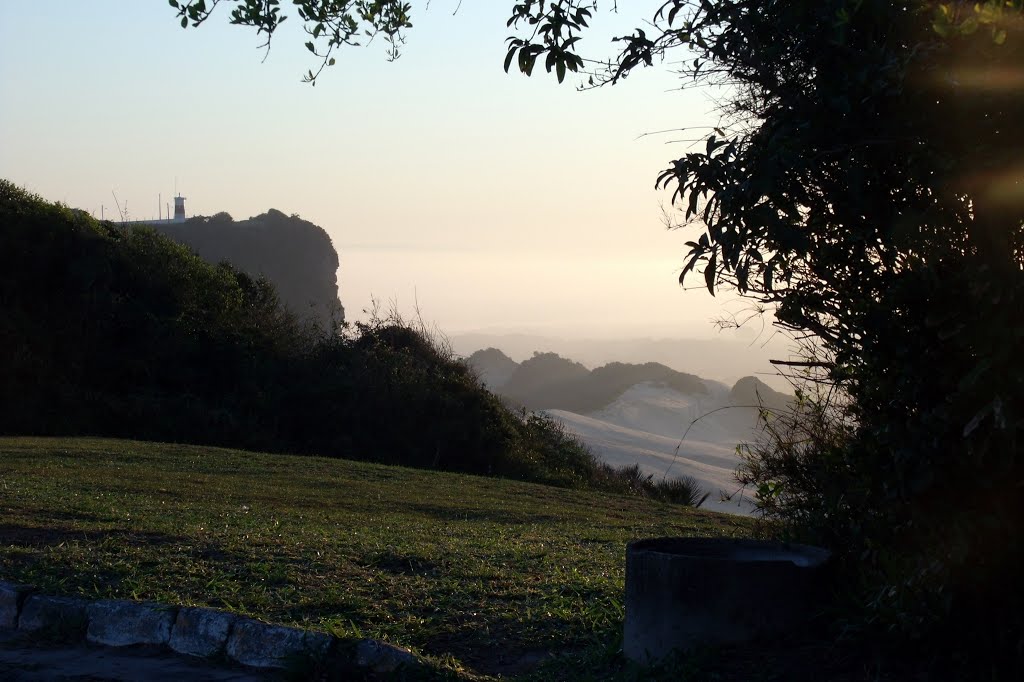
pixel 190 631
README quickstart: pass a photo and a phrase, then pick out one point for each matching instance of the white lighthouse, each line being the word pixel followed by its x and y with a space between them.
pixel 179 209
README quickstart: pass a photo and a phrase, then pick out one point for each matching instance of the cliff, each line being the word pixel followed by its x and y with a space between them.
pixel 295 255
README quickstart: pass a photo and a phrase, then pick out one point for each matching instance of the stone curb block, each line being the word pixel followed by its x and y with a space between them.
pixel 381 657
pixel 123 623
pixel 319 644
pixel 201 632
pixel 40 612
pixel 272 646
pixel 188 630
pixel 11 598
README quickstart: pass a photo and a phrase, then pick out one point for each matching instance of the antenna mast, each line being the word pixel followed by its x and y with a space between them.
pixel 116 203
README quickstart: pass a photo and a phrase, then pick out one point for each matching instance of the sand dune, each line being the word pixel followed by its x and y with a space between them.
pixel 645 425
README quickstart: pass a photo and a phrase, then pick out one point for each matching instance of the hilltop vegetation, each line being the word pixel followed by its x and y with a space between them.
pixel 122 332
pixel 295 255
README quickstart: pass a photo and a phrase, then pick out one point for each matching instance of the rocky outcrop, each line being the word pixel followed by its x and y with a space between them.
pixel 295 255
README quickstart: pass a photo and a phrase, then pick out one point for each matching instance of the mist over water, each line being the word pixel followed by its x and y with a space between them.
pixel 724 359
pixel 590 307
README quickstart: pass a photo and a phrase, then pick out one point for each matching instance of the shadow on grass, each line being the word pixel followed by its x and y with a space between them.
pixel 490 515
pixel 44 536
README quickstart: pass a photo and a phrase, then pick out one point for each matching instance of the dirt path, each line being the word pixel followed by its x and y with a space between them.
pixel 22 660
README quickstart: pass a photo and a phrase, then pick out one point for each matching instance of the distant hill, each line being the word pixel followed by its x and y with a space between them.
pixel 295 255
pixel 548 381
pixel 726 357
pixel 616 377
pixel 753 391
pixel 493 367
pixel 639 413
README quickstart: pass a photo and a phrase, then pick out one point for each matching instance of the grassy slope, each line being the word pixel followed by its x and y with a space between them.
pixel 481 572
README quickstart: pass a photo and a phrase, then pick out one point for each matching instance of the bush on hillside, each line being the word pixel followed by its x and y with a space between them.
pixel 916 490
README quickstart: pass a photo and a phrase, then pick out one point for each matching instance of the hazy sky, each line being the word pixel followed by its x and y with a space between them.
pixel 494 200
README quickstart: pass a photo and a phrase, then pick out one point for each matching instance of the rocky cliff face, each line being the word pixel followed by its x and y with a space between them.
pixel 294 254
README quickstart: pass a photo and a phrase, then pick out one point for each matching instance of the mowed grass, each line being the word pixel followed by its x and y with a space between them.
pixel 487 576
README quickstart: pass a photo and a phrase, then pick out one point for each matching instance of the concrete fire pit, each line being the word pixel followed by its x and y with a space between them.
pixel 681 592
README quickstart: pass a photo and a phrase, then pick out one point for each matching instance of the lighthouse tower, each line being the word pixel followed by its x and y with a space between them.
pixel 179 209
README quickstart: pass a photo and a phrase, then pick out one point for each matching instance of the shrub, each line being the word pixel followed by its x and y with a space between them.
pixel 912 487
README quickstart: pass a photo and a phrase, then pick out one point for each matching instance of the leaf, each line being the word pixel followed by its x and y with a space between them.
pixel 184 22
pixel 689 266
pixel 560 70
pixel 976 420
pixel 709 272
pixel 742 274
pixel 525 63
pixel 691 207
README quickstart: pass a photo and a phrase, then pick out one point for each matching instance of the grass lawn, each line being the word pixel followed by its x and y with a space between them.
pixel 486 576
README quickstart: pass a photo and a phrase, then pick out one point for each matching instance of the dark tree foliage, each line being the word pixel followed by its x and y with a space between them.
pixel 866 182
pixel 329 24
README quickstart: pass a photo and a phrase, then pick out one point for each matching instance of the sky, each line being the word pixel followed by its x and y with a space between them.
pixel 491 201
